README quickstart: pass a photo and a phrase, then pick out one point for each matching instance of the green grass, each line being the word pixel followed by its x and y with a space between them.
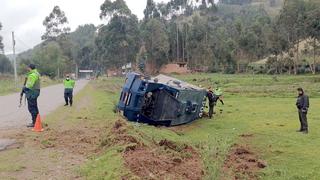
pixel 13 166
pixel 260 105
pixel 258 85
pixel 8 86
pixel 109 164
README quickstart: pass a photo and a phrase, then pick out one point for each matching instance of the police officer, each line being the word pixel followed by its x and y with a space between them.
pixel 218 92
pixel 32 91
pixel 212 101
pixel 68 90
pixel 302 105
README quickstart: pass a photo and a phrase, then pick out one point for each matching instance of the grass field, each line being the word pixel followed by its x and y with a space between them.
pixel 259 113
pixel 8 86
pixel 263 106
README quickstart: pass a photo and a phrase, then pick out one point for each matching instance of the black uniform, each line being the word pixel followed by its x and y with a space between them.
pixel 68 96
pixel 303 105
pixel 32 91
pixel 212 101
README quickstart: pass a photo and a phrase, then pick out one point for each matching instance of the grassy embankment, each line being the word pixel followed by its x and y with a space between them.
pixel 8 86
pixel 259 106
pixel 263 106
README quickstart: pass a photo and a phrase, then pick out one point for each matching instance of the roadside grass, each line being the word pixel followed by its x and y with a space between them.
pixel 10 167
pixel 266 109
pixel 257 85
pixel 7 84
pixel 269 116
pixel 109 163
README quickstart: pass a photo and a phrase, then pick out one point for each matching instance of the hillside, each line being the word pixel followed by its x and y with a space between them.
pixel 272 7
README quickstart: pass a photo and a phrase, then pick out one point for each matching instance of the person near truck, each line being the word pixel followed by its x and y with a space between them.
pixel 219 94
pixel 212 100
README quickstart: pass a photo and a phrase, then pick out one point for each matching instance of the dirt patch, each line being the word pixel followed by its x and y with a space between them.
pixel 246 135
pixel 243 163
pixel 164 159
pixel 119 136
pixel 149 164
pixel 82 140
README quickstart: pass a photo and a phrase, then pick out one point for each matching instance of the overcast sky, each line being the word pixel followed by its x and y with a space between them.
pixel 25 17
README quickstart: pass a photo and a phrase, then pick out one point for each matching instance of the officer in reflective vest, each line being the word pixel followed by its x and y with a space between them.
pixel 68 90
pixel 32 91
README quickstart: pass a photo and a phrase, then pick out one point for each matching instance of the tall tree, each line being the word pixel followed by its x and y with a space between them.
pixel 110 9
pixel 1 44
pixel 118 41
pixel 56 24
pixel 83 45
pixel 5 64
pixel 151 10
pixel 292 18
pixel 313 31
pixel 156 42
pixel 198 43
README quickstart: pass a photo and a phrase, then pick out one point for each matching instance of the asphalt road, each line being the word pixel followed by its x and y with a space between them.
pixel 12 117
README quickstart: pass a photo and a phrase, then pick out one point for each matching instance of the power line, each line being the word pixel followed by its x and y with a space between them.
pixel 23 43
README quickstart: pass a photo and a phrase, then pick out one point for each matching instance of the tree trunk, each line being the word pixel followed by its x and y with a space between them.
pixel 290 67
pixel 297 59
pixel 238 67
pixel 183 47
pixel 186 45
pixel 314 56
pixel 177 43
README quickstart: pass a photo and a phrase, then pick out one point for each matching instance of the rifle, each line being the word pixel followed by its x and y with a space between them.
pixel 22 91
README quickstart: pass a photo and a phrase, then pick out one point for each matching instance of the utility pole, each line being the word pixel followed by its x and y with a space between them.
pixel 14 59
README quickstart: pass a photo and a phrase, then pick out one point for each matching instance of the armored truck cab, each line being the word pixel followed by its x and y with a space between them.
pixel 161 100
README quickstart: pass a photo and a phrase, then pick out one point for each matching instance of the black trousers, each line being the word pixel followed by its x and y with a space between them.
pixel 33 108
pixel 303 120
pixel 68 96
pixel 211 108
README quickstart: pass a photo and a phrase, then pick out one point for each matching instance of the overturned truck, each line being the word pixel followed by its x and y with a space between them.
pixel 161 100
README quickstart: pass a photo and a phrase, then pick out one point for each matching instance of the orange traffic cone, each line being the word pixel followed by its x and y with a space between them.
pixel 38 126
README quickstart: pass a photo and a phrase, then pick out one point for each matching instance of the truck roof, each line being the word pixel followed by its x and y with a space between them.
pixel 176 83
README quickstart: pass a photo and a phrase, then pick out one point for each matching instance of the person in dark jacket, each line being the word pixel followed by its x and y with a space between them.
pixel 212 101
pixel 32 91
pixel 303 106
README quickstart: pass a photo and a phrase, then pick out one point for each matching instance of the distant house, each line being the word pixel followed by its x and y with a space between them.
pixel 114 72
pixel 88 74
pixel 120 71
pixel 177 67
pixel 126 68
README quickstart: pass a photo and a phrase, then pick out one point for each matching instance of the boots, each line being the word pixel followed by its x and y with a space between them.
pixel 31 125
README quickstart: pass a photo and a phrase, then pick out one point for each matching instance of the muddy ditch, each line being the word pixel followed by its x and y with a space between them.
pixel 242 162
pixel 162 159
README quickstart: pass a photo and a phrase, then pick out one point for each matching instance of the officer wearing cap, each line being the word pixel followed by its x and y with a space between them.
pixel 303 106
pixel 68 90
pixel 32 91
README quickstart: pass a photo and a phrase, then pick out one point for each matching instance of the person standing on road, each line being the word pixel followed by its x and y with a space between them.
pixel 32 91
pixel 68 90
pixel 303 106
